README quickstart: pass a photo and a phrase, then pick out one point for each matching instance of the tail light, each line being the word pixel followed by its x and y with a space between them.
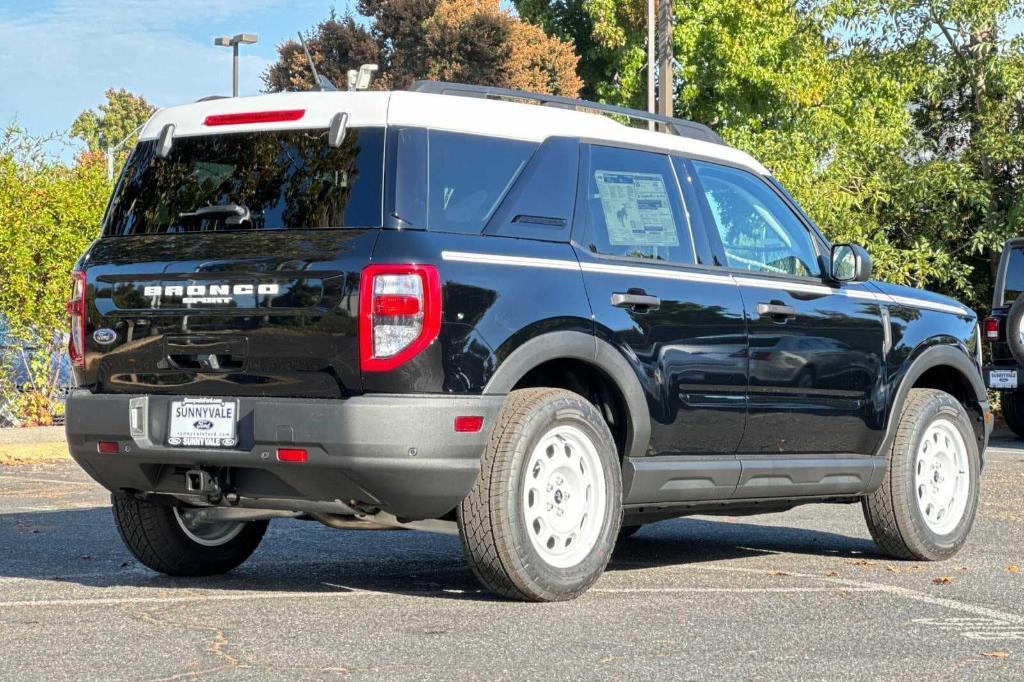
pixel 399 314
pixel 991 329
pixel 76 309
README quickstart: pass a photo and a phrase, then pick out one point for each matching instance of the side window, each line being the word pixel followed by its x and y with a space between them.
pixel 469 175
pixel 634 208
pixel 451 182
pixel 1014 276
pixel 758 231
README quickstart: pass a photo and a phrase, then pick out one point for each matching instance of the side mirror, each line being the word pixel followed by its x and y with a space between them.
pixel 850 263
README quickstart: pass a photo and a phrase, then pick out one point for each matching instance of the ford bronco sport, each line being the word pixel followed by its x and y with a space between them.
pixel 523 322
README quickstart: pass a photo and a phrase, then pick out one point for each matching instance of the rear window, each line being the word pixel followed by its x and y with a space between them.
pixel 266 180
pixel 1014 276
pixel 467 176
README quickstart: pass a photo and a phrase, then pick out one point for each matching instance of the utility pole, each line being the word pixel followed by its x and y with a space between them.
pixel 651 57
pixel 665 98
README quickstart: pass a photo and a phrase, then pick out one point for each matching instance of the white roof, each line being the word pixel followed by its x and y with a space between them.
pixel 496 118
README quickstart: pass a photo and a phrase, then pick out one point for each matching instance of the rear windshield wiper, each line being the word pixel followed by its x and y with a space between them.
pixel 233 214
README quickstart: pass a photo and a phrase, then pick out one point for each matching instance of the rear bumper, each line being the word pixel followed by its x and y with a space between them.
pixel 398 453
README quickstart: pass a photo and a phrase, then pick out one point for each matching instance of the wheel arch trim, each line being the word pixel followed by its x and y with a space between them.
pixel 927 359
pixel 574 345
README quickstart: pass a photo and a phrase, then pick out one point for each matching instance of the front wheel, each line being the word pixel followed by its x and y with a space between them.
pixel 170 540
pixel 926 505
pixel 541 521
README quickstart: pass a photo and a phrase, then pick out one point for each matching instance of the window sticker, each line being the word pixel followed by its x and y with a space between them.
pixel 636 209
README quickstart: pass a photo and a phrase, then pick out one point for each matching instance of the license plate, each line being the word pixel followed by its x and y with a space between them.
pixel 1002 378
pixel 203 423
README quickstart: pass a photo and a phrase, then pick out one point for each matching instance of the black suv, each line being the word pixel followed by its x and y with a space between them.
pixel 532 326
pixel 1004 329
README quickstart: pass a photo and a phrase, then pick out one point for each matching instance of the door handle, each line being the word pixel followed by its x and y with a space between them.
pixel 635 301
pixel 776 311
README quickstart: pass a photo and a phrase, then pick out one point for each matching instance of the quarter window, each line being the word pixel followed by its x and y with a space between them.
pixel 758 231
pixel 634 207
pixel 453 182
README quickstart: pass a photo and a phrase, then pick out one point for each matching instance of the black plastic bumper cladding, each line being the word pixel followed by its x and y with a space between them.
pixel 398 453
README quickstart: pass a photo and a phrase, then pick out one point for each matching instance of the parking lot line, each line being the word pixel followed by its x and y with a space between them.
pixel 896 591
pixel 192 597
pixel 738 590
pixel 27 479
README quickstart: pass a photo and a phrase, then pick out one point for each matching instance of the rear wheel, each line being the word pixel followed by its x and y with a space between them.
pixel 926 505
pixel 542 519
pixel 172 541
pixel 1012 404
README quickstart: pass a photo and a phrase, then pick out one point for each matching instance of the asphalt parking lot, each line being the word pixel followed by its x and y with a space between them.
pixel 795 595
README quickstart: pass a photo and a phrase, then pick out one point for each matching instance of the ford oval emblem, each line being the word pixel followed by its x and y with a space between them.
pixel 203 425
pixel 104 336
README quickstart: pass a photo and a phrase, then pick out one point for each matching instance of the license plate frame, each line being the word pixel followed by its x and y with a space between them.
pixel 1002 378
pixel 203 423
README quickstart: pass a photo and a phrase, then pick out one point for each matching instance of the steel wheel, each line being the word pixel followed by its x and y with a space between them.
pixel 205 533
pixel 564 496
pixel 942 478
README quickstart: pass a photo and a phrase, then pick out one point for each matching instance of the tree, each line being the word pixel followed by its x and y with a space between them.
pixel 968 116
pixel 112 122
pixel 472 41
pixel 896 123
pixel 49 212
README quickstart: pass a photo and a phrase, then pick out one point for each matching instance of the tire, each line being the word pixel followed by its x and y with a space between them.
pixel 1015 329
pixel 896 512
pixel 1013 411
pixel 517 542
pixel 153 533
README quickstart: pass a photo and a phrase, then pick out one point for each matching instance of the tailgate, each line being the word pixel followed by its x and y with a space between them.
pixel 268 313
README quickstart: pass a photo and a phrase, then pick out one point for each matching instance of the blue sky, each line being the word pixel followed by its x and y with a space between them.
pixel 57 57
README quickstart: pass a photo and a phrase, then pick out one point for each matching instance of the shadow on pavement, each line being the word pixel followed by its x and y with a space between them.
pixel 81 547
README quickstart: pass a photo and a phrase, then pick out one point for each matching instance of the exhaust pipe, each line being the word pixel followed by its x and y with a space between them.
pixel 384 521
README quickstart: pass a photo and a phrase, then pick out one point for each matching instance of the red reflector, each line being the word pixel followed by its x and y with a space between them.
pixel 254 117
pixel 108 447
pixel 392 304
pixel 76 309
pixel 991 325
pixel 291 455
pixel 468 424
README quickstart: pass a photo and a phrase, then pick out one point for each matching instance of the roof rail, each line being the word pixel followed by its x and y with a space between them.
pixel 678 126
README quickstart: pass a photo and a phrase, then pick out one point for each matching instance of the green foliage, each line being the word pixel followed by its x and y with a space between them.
pixel 896 123
pixel 49 212
pixel 471 41
pixel 111 123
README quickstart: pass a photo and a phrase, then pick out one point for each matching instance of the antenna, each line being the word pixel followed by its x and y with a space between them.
pixel 323 83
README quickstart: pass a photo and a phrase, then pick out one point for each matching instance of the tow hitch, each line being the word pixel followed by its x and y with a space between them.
pixel 199 482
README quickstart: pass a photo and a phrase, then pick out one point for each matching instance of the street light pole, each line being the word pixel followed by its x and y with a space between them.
pixel 234 70
pixel 234 42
